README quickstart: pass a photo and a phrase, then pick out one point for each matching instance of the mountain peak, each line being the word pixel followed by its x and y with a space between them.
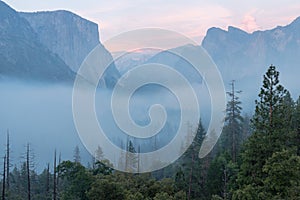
pixel 240 54
pixel 232 29
pixel 57 13
pixel 296 21
pixel 5 10
pixel 215 30
pixel 3 4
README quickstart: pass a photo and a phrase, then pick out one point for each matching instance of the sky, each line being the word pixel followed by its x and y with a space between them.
pixel 189 17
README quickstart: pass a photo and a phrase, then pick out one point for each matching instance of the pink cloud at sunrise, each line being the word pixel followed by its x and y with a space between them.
pixel 249 23
pixel 192 18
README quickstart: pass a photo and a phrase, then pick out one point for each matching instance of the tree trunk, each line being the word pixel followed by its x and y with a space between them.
pixel 58 176
pixel 225 182
pixel 7 161
pixel 48 179
pixel 191 177
pixel 28 173
pixel 54 177
pixel 232 125
pixel 3 184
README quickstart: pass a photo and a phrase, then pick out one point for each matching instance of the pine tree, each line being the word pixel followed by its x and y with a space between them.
pixel 98 157
pixel 54 177
pixel 271 134
pixel 223 168
pixel 58 177
pixel 233 129
pixel 296 123
pixel 4 177
pixel 23 180
pixel 283 177
pixel 246 128
pixel 191 166
pixel 7 162
pixel 270 108
pixel 77 154
pixel 48 179
pixel 131 158
pixel 221 176
pixel 28 172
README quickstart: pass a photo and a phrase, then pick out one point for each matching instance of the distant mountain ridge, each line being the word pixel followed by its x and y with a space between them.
pixel 180 64
pixel 52 45
pixel 245 56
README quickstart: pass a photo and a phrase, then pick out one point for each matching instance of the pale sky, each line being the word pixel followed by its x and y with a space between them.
pixel 189 17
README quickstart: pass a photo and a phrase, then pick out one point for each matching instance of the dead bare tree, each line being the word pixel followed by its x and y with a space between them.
pixel 3 184
pixel 7 161
pixel 58 176
pixel 28 172
pixel 48 179
pixel 54 177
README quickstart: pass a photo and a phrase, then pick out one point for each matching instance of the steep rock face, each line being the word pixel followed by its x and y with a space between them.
pixel 22 56
pixel 70 37
pixel 66 34
pixel 245 57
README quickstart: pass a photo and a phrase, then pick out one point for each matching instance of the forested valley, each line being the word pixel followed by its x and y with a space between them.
pixel 256 157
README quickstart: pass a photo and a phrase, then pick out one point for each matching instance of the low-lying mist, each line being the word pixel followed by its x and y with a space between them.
pixel 41 115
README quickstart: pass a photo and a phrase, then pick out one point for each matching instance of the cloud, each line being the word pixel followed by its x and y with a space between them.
pixel 189 17
pixel 249 23
pixel 191 20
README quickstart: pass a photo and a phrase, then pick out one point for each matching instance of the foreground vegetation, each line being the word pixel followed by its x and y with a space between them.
pixel 257 158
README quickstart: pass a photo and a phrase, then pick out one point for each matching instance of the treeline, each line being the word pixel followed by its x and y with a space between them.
pixel 256 157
